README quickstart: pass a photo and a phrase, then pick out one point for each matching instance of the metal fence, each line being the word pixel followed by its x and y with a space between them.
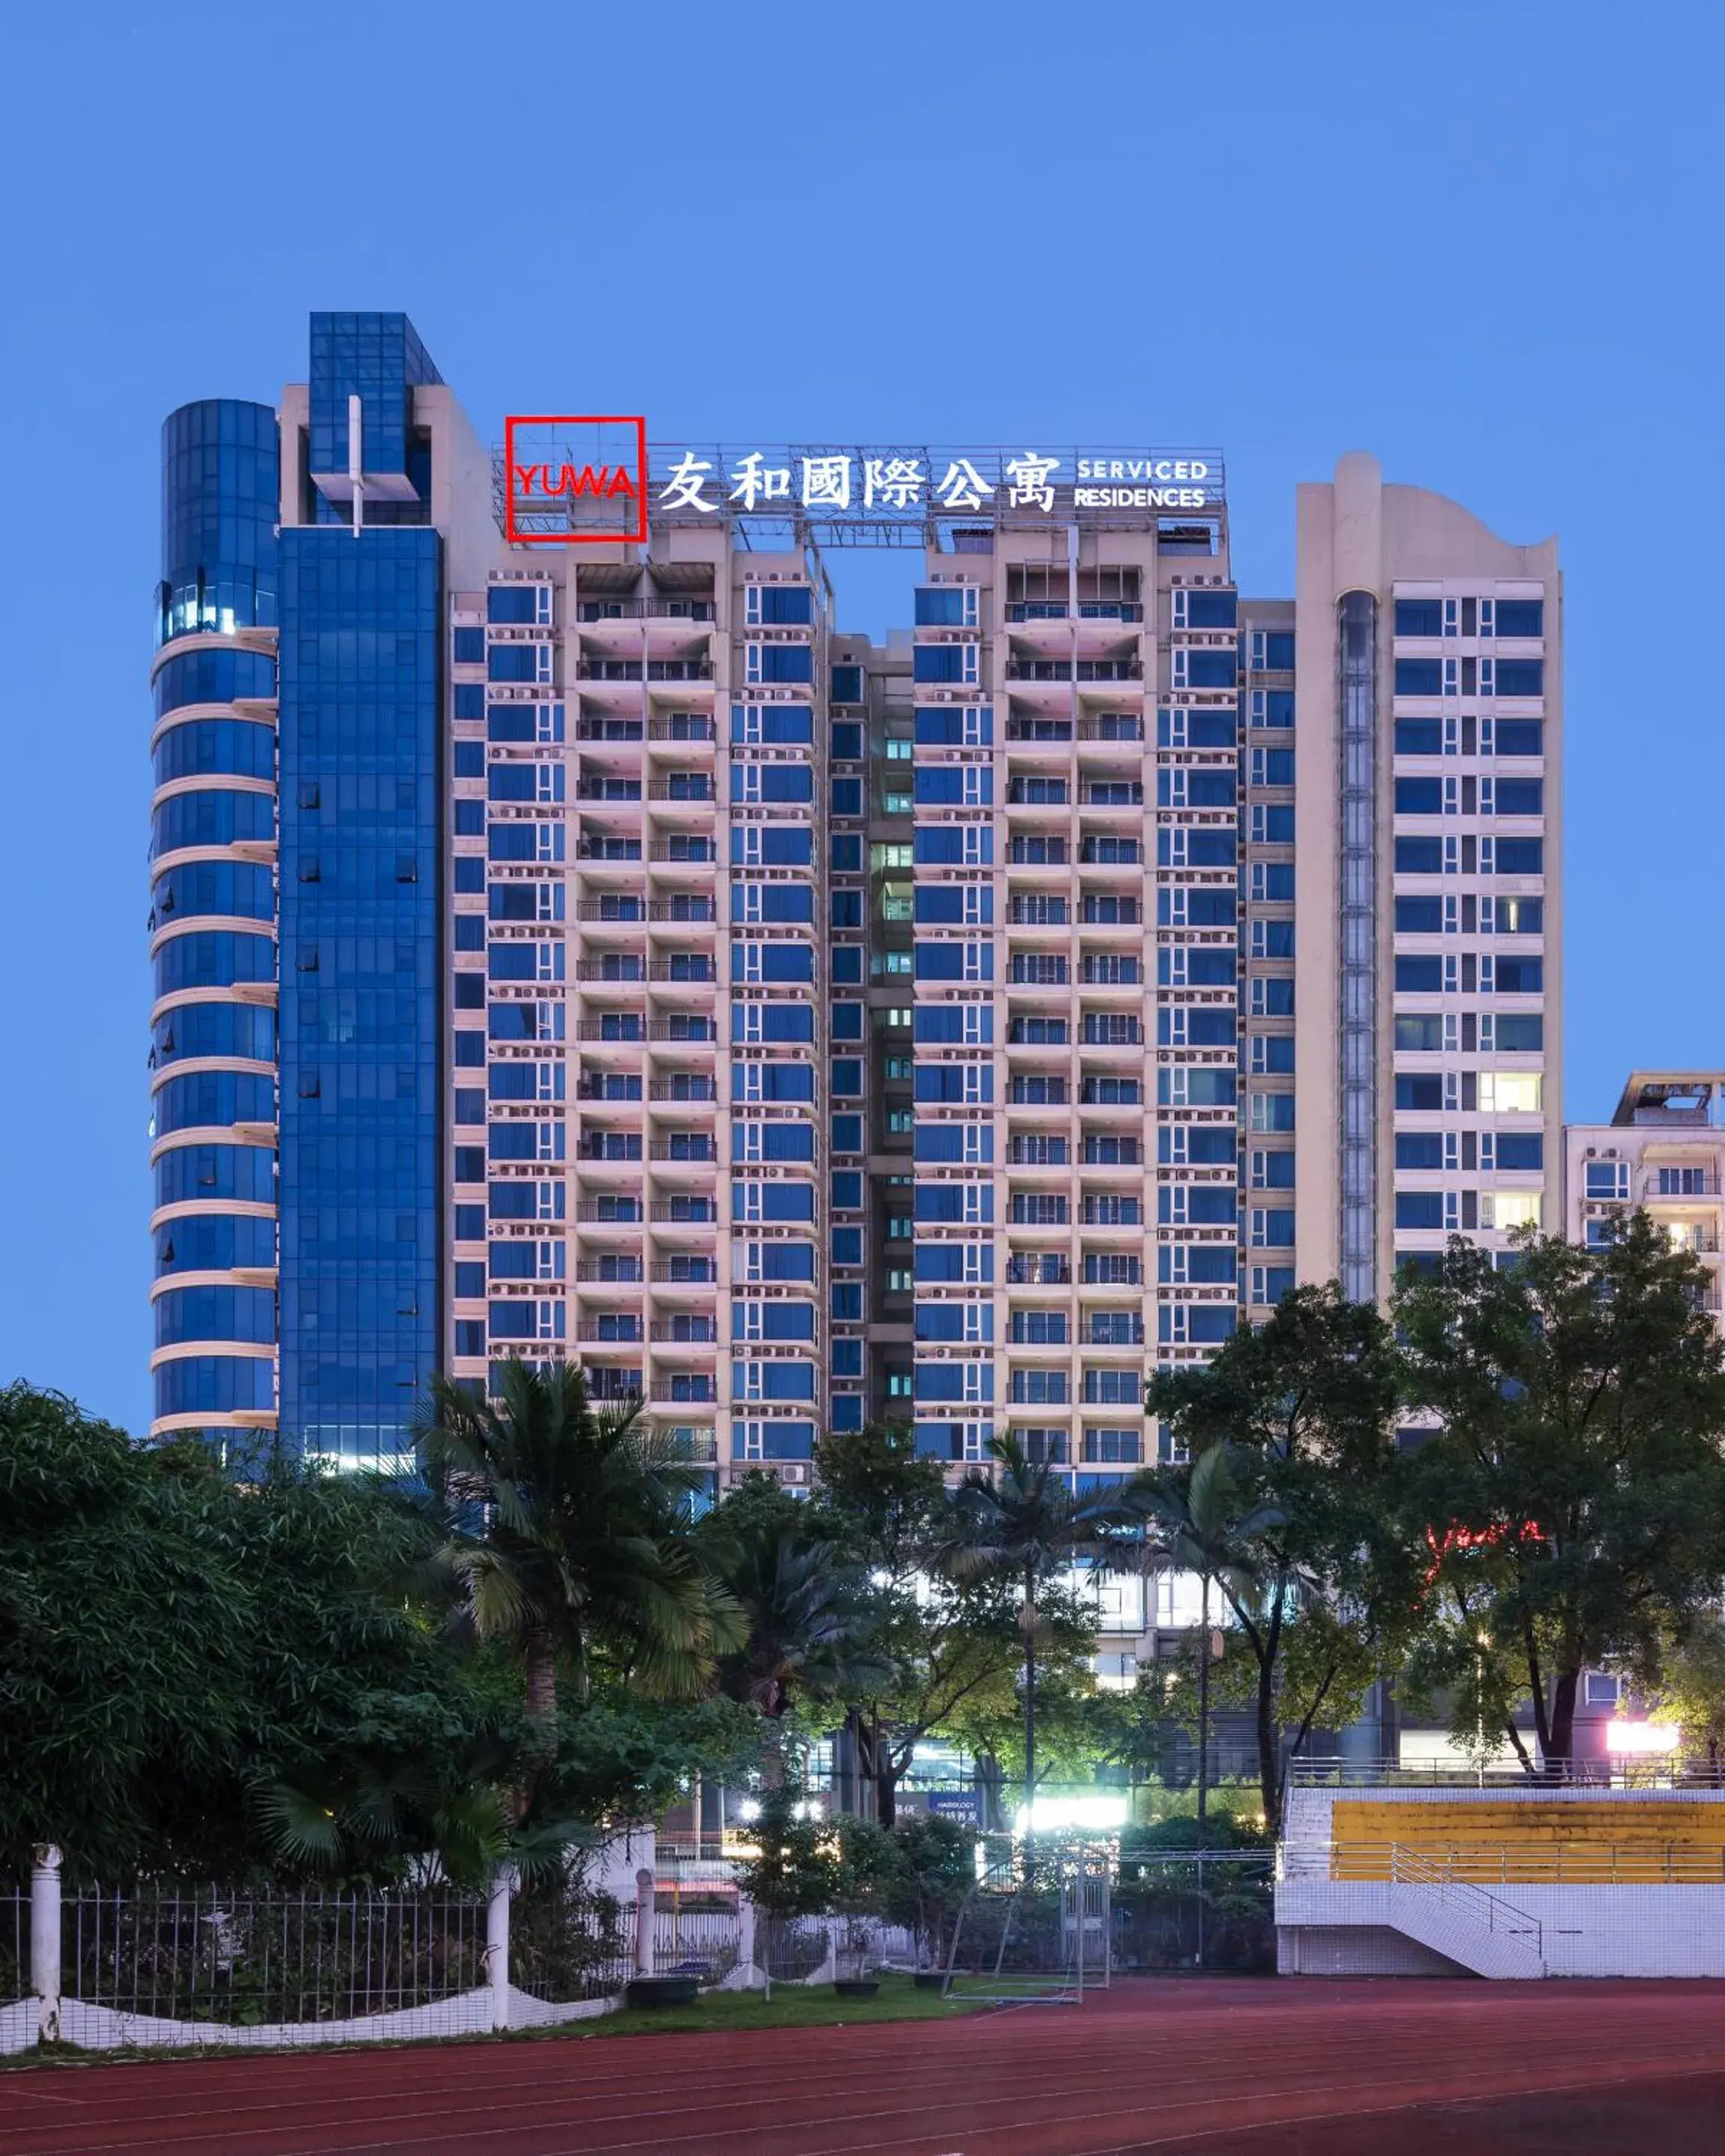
pixel 205 1955
pixel 1198 1910
pixel 14 1947
pixel 1630 1772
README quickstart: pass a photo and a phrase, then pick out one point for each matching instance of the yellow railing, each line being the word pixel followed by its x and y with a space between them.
pixel 1535 1862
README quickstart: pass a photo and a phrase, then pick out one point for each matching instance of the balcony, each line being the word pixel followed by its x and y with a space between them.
pixel 684 1212
pixel 687 1332
pixel 652 609
pixel 609 789
pixel 697 1150
pixel 589 668
pixel 620 971
pixel 1065 670
pixel 690 853
pixel 612 1212
pixel 688 1030
pixel 690 971
pixel 692 793
pixel 602 853
pixel 685 1392
pixel 693 726
pixel 598 729
pixel 623 1030
pixel 1688 1182
pixel 690 1089
pixel 1044 1271
pixel 684 1272
pixel 609 1272
pixel 620 912
pixel 690 909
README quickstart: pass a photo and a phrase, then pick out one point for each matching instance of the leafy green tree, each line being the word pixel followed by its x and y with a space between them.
pixel 568 1534
pixel 1295 1522
pixel 1205 1528
pixel 191 1670
pixel 947 1646
pixel 935 1873
pixel 1690 1688
pixel 1571 1502
pixel 1020 1522
pixel 807 1629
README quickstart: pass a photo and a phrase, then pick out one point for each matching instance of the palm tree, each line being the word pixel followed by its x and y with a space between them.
pixel 1022 1520
pixel 566 1533
pixel 806 1618
pixel 1203 1531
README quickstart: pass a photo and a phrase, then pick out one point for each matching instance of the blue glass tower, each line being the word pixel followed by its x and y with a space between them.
pixel 361 907
pixel 212 923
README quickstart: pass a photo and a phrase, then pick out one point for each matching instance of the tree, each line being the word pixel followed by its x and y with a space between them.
pixel 1690 1688
pixel 191 1670
pixel 1205 1530
pixel 1297 1524
pixel 806 1626
pixel 1020 1522
pixel 1572 1499
pixel 567 1533
pixel 946 1644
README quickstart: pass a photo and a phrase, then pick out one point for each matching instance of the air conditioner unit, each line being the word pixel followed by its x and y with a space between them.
pixel 793 1470
pixel 1591 1153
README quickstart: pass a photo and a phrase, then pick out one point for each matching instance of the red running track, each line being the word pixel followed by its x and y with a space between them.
pixel 1228 2068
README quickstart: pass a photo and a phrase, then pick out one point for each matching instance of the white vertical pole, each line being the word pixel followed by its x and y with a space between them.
pixel 355 460
pixel 497 1944
pixel 45 1941
pixel 644 1922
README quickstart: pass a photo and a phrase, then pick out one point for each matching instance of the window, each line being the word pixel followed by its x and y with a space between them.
pixel 1511 1092
pixel 1419 677
pixel 1607 1178
pixel 1419 617
pixel 1511 1209
pixel 1521 618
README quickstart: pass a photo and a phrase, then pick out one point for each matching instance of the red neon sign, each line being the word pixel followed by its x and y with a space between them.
pixel 555 464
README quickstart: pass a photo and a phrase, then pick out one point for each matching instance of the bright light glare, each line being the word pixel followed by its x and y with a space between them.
pixel 748 1810
pixel 1050 1814
pixel 1630 1736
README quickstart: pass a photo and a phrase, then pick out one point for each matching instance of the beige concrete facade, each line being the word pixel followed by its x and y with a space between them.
pixel 1415 953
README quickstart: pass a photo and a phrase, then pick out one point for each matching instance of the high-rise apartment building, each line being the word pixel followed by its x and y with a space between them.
pixel 591 949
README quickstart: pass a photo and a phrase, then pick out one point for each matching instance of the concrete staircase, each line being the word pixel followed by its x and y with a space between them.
pixel 1475 1930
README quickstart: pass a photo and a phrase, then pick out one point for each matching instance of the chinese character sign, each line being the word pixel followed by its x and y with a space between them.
pixel 901 484
pixel 570 479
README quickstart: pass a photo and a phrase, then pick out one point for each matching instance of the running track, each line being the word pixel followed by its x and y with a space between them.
pixel 1223 2067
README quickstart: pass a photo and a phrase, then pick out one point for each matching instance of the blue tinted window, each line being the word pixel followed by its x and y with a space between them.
pixel 1418 617
pixel 215 819
pixel 1418 1208
pixel 1521 857
pixel 1520 618
pixel 1521 677
pixel 200 1172
pixel 1419 677
pixel 213 677
pixel 214 1313
pixel 238 746
pixel 1419 856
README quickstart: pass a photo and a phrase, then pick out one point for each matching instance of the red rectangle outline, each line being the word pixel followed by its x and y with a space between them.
pixel 515 538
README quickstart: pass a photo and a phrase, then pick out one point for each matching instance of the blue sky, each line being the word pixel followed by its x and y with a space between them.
pixel 1481 241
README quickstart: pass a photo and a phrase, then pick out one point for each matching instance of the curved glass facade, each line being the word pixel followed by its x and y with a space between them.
pixel 212 846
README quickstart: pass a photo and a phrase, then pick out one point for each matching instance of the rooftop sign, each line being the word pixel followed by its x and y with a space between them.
pixel 574 480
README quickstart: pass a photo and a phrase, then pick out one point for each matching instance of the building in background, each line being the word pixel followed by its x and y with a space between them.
pixel 594 950
pixel 1662 1151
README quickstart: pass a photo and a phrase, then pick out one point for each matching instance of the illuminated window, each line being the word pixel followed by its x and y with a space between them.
pixel 1512 1209
pixel 1511 1092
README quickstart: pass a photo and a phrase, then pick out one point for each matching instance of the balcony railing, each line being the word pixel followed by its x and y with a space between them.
pixel 598 1272
pixel 622 912
pixel 695 795
pixel 692 1272
pixel 689 1153
pixel 691 1090
pixel 687 1334
pixel 699 1213
pixel 1694 1183
pixel 655 609
pixel 692 853
pixel 588 669
pixel 615 1212
pixel 1031 610
pixel 682 726
pixel 1066 669
pixel 680 909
